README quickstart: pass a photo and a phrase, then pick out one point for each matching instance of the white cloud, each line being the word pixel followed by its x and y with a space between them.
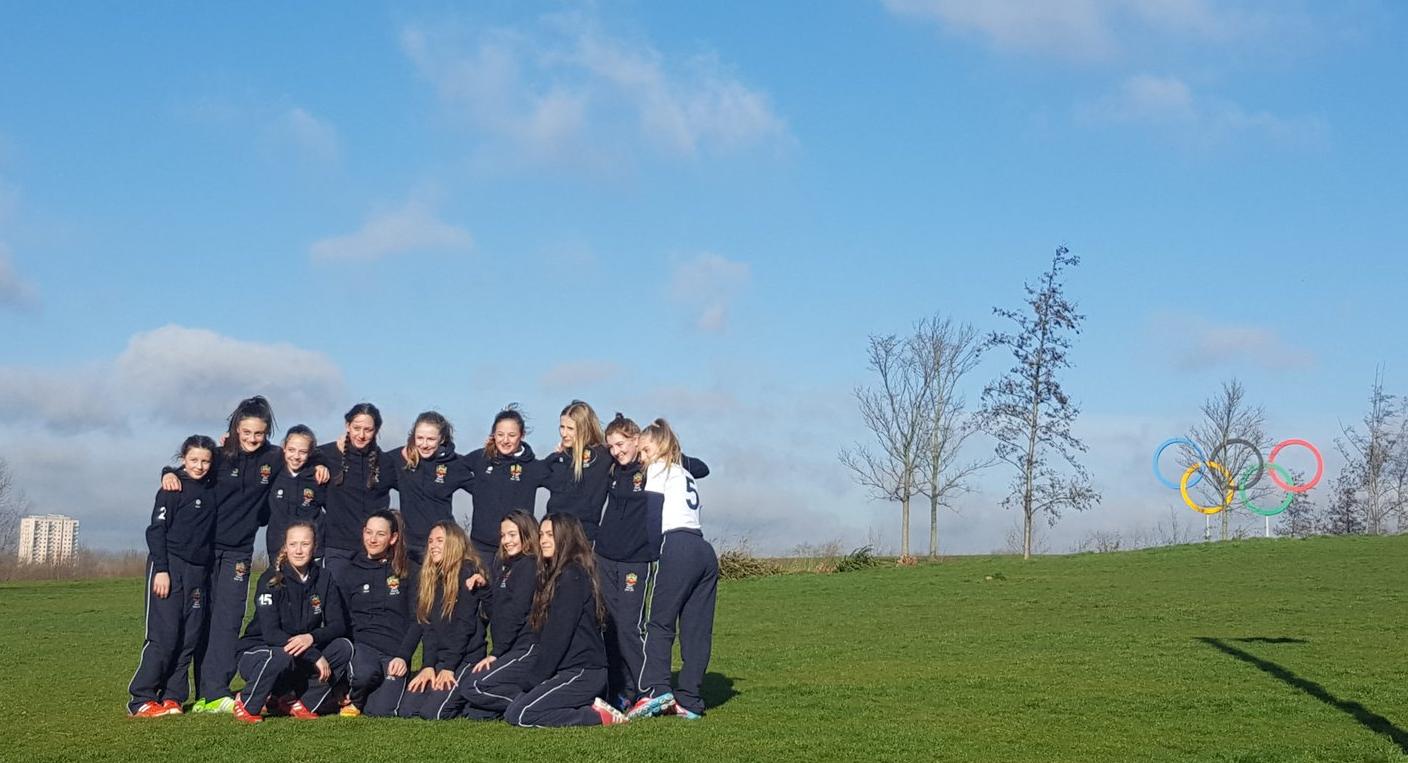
pixel 413 227
pixel 708 284
pixel 559 90
pixel 173 375
pixel 16 293
pixel 1169 104
pixel 575 375
pixel 1099 29
pixel 1198 344
pixel 314 137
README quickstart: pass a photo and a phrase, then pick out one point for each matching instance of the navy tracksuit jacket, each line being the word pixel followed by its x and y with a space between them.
pixel 487 694
pixel 583 498
pixel 294 498
pixel 360 485
pixel 500 485
pixel 569 669
pixel 454 643
pixel 426 494
pixel 379 608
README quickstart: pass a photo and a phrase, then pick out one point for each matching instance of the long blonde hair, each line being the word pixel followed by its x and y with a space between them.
pixel 660 433
pixel 445 573
pixel 278 577
pixel 588 435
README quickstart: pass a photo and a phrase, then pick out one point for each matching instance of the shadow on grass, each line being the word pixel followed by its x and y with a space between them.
pixel 716 689
pixel 1366 718
pixel 1270 640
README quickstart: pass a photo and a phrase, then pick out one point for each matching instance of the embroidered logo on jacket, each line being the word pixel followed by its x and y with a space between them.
pixel 440 472
pixel 393 585
pixel 197 503
pixel 515 472
pixel 279 493
pixel 264 472
pixel 195 598
pixel 586 458
pixel 637 482
pixel 631 582
pixel 317 604
pixel 241 569
pixel 366 588
pixel 307 496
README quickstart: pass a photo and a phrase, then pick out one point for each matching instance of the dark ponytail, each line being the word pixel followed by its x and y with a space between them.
pixel 249 408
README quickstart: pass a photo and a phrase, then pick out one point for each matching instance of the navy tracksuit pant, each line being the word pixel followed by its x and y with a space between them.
pixel 228 597
pixel 489 693
pixel 563 700
pixel 269 671
pixel 686 584
pixel 369 688
pixel 623 587
pixel 335 560
pixel 173 632
pixel 437 704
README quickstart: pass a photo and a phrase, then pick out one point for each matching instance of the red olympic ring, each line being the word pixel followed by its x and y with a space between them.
pixel 1319 467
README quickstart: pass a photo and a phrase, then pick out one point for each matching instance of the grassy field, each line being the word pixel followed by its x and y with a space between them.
pixel 1254 650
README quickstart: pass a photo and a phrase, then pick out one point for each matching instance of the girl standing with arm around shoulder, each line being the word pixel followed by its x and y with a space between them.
pixel 427 475
pixel 452 633
pixel 290 656
pixel 569 670
pixel 362 478
pixel 506 478
pixel 578 471
pixel 296 495
pixel 179 551
pixel 686 583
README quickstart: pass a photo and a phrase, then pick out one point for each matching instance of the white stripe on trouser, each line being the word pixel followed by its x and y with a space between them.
pixel 439 711
pixel 254 685
pixel 146 625
pixel 530 705
pixel 329 682
pixel 644 642
pixel 495 670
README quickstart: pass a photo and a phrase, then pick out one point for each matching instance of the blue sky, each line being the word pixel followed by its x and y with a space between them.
pixel 694 212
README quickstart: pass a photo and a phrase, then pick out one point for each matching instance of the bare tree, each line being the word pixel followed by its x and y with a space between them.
pixel 896 414
pixel 1227 415
pixel 951 351
pixel 1028 412
pixel 1174 529
pixel 12 503
pixel 1298 520
pixel 1377 453
pixel 1344 514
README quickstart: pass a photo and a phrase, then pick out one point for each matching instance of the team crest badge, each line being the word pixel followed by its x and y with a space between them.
pixel 631 582
pixel 264 472
pixel 393 583
pixel 195 598
pixel 241 569
pixel 440 472
pixel 307 496
pixel 317 603
pixel 586 458
pixel 637 482
pixel 515 472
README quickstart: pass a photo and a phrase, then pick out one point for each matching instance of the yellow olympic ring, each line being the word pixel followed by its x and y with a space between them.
pixel 1209 510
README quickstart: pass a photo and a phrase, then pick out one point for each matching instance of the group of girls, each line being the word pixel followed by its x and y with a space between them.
pixel 567 621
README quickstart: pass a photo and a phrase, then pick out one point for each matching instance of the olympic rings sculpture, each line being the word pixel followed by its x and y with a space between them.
pixel 1238 487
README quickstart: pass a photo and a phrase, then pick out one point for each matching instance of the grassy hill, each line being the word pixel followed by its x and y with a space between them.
pixel 1254 650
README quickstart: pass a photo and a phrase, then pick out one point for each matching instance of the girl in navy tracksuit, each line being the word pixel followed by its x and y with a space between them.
pixel 296 495
pixel 244 470
pixel 494 681
pixel 379 596
pixel 577 472
pixel 287 656
pixel 685 584
pixel 362 478
pixel 627 550
pixel 426 475
pixel 506 478
pixel 447 618
pixel 569 670
pixel 179 541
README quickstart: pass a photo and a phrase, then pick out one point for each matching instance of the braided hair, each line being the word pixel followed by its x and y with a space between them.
pixel 373 451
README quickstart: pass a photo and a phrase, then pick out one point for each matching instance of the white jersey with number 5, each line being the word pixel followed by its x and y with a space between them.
pixel 681 509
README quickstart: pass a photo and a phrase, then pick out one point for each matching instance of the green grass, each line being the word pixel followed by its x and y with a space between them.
pixel 1256 650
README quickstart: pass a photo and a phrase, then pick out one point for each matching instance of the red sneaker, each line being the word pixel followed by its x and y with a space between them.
pixel 244 715
pixel 172 707
pixel 296 709
pixel 610 716
pixel 149 710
